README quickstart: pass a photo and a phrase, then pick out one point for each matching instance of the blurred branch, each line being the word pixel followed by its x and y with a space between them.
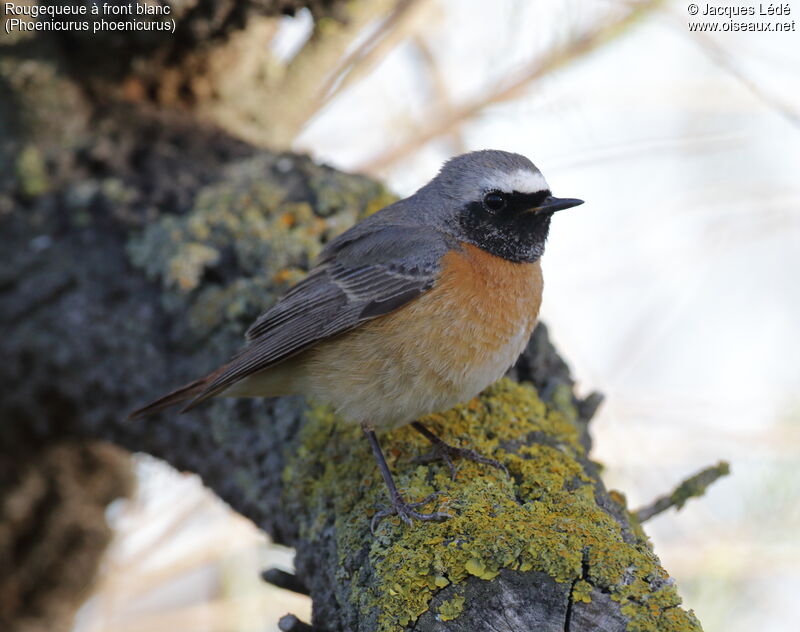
pixel 372 50
pixel 723 58
pixel 440 98
pixel 291 623
pixel 213 614
pixel 550 61
pixel 693 487
pixel 282 579
pixel 271 108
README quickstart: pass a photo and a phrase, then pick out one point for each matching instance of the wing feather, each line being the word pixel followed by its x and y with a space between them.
pixel 356 280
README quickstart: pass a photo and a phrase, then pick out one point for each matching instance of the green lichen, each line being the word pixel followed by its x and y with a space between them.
pixel 582 591
pixel 545 518
pixel 247 238
pixel 31 172
pixel 695 486
pixel 563 400
pixel 451 608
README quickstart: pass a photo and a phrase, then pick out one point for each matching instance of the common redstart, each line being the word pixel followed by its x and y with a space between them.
pixel 413 310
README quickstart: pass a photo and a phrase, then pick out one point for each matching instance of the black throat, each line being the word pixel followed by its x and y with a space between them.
pixel 514 233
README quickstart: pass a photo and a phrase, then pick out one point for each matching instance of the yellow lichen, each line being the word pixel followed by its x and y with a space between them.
pixel 450 609
pixel 582 591
pixel 254 238
pixel 186 267
pixel 31 172
pixel 476 567
pixel 545 518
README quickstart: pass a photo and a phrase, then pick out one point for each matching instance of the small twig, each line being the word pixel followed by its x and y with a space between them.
pixel 692 487
pixel 726 61
pixel 366 54
pixel 550 61
pixel 587 408
pixel 282 579
pixel 290 623
pixel 291 96
pixel 440 99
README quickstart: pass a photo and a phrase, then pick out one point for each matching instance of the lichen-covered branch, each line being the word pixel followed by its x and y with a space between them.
pixel 550 530
pixel 693 487
pixel 134 261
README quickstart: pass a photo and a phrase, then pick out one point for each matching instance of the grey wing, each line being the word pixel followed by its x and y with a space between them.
pixel 355 281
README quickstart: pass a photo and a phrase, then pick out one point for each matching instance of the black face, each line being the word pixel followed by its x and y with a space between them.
pixel 503 224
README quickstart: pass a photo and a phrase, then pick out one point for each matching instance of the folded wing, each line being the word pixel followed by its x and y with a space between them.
pixel 354 281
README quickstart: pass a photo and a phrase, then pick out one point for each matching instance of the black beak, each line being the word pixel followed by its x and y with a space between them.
pixel 552 204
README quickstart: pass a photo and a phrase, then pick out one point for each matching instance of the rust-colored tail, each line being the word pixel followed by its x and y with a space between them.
pixel 186 392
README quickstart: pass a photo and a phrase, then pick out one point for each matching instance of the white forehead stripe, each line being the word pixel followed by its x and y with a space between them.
pixel 522 180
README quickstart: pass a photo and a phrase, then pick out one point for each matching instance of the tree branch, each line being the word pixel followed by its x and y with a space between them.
pixel 551 60
pixel 168 239
pixel 693 487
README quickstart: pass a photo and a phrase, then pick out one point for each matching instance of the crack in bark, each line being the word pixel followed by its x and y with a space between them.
pixel 570 601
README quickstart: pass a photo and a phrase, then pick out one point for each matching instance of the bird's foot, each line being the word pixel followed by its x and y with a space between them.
pixel 443 451
pixel 446 452
pixel 407 513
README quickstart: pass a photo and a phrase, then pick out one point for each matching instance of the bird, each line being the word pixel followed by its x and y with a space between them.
pixel 413 310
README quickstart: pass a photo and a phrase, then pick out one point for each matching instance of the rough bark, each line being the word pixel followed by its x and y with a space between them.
pixel 217 64
pixel 105 60
pixel 53 530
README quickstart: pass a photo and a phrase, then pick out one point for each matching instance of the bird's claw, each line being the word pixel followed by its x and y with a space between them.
pixel 443 451
pixel 406 512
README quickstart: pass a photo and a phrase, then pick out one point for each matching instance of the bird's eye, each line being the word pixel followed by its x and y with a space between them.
pixel 494 201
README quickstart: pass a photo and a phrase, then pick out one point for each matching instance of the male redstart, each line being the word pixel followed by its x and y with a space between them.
pixel 413 310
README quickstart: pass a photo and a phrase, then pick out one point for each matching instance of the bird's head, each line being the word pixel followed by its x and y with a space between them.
pixel 500 202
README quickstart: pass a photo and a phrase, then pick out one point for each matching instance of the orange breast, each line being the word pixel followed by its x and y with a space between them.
pixel 439 350
pixel 481 311
pixel 490 293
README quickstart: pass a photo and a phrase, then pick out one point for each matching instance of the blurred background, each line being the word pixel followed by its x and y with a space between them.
pixel 674 290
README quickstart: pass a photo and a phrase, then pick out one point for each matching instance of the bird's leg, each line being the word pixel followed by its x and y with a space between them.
pixel 400 507
pixel 447 452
